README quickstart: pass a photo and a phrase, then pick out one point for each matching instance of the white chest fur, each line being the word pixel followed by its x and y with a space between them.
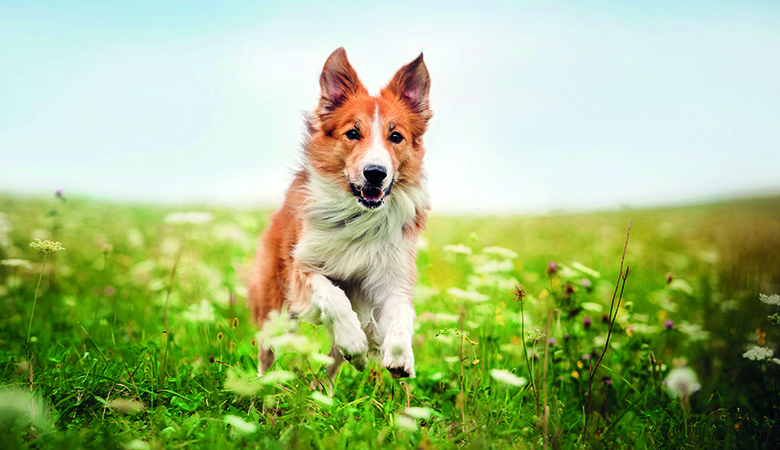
pixel 347 242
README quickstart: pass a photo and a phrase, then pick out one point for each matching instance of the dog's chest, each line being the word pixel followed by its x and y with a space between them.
pixel 354 249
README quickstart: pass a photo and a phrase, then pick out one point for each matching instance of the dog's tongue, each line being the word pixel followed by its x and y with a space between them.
pixel 372 194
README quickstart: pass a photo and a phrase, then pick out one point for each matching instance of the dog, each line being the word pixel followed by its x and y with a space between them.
pixel 341 251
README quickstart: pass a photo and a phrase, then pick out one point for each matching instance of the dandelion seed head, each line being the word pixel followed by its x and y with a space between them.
pixel 682 382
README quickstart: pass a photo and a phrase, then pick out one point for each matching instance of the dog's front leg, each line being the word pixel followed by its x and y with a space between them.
pixel 397 325
pixel 330 306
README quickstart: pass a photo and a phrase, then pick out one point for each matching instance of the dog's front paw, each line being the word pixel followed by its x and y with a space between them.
pixel 397 356
pixel 352 342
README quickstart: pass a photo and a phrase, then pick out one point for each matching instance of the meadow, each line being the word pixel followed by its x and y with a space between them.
pixel 136 336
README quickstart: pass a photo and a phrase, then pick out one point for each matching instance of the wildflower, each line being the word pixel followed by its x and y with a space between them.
pixel 566 337
pixel 507 377
pixel 568 290
pixel 46 247
pixel 253 342
pixel 575 374
pixel 669 278
pixel 211 359
pixel 405 423
pixel 605 318
pixel 323 400
pixel 459 249
pixel 202 312
pixel 22 263
pixel 475 297
pixel 535 334
pixel 758 353
pixel 760 336
pixel 418 413
pixel 669 324
pixel 573 312
pixel 240 426
pixel 586 357
pixel 277 377
pixel 552 341
pixel 193 217
pixel 58 194
pixel 606 380
pixel 519 292
pixel 770 300
pixel 586 322
pixel 500 251
pixel 682 382
pixel 552 268
pixel 585 283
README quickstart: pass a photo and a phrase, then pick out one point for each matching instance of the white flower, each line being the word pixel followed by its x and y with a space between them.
pixel 240 425
pixel 321 399
pixel 758 353
pixel 241 383
pixel 405 423
pixel 589 306
pixel 418 413
pixel 475 297
pixel 277 377
pixel 694 331
pixel 494 266
pixel 193 217
pixel 457 249
pixel 507 377
pixel 682 382
pixel 770 300
pixel 500 251
pixel 202 312
pixel 586 270
pixel 21 263
pixel 47 247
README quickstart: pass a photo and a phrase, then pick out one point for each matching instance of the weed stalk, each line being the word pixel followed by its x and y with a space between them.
pixel 612 319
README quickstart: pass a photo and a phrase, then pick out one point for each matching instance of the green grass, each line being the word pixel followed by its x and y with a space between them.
pixel 106 374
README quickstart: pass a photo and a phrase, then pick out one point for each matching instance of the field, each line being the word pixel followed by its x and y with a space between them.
pixel 136 335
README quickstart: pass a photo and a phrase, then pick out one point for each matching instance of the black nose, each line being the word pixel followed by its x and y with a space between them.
pixel 375 174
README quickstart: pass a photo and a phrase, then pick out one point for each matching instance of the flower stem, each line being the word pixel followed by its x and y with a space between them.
pixel 35 300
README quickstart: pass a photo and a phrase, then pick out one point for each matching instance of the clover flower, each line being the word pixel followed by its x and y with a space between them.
pixel 682 382
pixel 586 322
pixel 669 324
pixel 770 299
pixel 758 353
pixel 552 268
pixel 47 247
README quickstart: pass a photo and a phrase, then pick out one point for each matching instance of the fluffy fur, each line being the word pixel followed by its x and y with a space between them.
pixel 341 251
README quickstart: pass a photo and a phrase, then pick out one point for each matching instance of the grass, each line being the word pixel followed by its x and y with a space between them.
pixel 140 337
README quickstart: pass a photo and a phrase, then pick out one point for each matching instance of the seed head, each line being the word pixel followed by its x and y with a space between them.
pixel 519 292
pixel 46 247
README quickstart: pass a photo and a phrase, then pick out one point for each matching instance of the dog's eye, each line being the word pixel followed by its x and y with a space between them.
pixel 353 134
pixel 395 137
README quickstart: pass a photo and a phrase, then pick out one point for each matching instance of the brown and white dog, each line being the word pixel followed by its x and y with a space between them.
pixel 341 251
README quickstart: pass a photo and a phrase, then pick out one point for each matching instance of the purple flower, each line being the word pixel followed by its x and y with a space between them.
pixel 552 341
pixel 586 357
pixel 586 322
pixel 669 324
pixel 552 268
pixel 565 337
pixel 585 282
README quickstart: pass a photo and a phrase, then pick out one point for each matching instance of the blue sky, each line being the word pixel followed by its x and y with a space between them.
pixel 539 107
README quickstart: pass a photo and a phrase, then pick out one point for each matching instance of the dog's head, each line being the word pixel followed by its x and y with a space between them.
pixel 367 144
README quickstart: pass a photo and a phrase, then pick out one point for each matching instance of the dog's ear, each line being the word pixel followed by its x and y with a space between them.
pixel 338 80
pixel 411 84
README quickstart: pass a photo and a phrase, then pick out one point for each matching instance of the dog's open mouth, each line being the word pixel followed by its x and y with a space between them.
pixel 370 196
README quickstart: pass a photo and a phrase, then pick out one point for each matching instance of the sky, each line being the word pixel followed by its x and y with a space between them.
pixel 539 106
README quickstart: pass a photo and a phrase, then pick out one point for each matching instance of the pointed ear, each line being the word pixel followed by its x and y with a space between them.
pixel 411 84
pixel 338 80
